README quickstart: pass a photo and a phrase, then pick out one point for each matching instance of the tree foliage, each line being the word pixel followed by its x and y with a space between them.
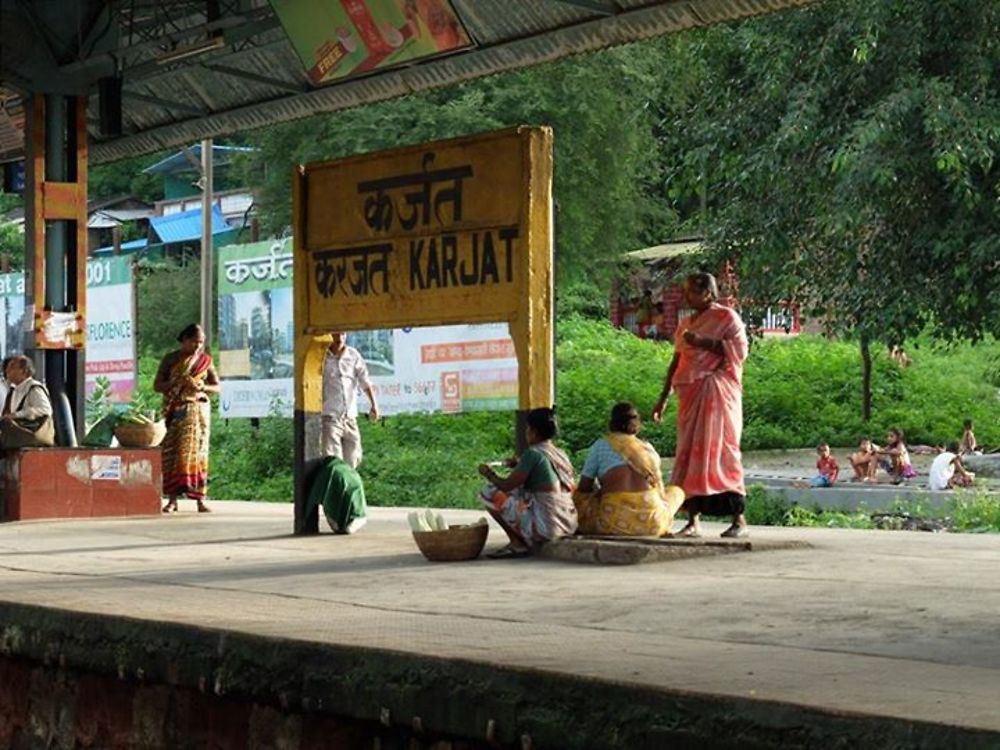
pixel 599 109
pixel 849 152
pixel 126 178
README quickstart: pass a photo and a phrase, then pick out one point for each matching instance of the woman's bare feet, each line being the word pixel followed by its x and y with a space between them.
pixel 202 508
pixel 171 506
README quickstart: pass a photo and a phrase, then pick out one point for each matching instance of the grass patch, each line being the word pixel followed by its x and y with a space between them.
pixel 972 511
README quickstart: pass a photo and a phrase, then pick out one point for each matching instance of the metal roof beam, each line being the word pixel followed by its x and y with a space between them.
pixel 597 6
pixel 234 35
pixel 165 103
pixel 537 46
pixel 42 32
pixel 256 77
pixel 234 29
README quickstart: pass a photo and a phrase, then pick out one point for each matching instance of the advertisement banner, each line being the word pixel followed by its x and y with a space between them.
pixel 441 368
pixel 339 38
pixel 111 339
pixel 110 348
pixel 12 310
pixel 256 336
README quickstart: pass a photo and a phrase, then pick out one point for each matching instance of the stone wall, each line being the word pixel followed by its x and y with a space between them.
pixel 53 707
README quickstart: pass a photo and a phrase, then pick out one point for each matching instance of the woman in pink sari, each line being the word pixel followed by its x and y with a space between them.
pixel 185 379
pixel 706 373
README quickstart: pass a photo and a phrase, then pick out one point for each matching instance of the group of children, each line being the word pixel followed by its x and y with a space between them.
pixel 947 470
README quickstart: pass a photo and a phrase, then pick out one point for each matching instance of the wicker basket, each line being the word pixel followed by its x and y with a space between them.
pixel 140 435
pixel 457 543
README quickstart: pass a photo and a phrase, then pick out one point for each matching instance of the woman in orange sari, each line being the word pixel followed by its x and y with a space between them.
pixel 706 372
pixel 185 379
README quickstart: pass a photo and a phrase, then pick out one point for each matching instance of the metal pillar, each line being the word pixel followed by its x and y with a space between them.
pixel 207 189
pixel 57 252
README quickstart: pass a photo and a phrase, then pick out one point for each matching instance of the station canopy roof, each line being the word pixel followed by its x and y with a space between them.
pixel 192 69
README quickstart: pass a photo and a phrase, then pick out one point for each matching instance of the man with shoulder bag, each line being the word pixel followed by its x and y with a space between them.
pixel 26 420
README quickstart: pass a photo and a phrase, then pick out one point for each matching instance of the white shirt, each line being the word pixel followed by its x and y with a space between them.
pixel 36 400
pixel 942 470
pixel 342 376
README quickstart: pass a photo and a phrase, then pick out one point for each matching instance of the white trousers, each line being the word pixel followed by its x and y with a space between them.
pixel 340 437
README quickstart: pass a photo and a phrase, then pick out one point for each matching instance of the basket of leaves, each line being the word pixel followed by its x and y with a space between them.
pixel 439 542
pixel 137 429
pixel 135 425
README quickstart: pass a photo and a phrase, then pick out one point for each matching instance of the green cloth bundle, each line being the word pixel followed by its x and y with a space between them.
pixel 338 489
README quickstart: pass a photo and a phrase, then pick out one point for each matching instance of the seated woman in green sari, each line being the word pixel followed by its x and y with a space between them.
pixel 534 504
pixel 185 379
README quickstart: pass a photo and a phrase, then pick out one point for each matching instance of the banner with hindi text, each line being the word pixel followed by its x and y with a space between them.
pixel 431 369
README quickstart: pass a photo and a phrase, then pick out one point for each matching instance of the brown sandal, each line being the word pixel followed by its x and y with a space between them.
pixel 171 506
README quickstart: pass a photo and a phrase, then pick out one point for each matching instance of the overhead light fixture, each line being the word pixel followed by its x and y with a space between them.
pixel 192 50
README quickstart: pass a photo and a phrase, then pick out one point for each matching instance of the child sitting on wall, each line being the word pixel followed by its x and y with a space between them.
pixel 864 461
pixel 827 467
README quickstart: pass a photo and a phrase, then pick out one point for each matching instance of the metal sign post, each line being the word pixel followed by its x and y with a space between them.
pixel 207 262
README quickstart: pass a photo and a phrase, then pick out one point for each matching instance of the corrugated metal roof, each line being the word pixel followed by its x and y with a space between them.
pixel 185 226
pixel 180 162
pixel 127 247
pixel 668 250
pixel 107 218
pixel 257 79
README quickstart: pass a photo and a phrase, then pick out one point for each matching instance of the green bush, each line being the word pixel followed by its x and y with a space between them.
pixel 252 463
pixel 974 511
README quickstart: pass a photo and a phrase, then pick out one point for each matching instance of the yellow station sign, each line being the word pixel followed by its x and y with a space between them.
pixel 456 231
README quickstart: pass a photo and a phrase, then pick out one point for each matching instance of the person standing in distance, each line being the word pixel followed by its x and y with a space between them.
pixel 706 373
pixel 186 378
pixel 344 371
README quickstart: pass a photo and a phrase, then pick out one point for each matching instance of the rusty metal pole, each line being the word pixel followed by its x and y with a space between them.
pixel 207 313
pixel 57 237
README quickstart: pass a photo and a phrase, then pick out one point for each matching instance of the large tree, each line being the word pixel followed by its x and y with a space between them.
pixel 848 155
pixel 605 165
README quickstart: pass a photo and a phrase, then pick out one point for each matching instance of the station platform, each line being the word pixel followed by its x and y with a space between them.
pixel 825 638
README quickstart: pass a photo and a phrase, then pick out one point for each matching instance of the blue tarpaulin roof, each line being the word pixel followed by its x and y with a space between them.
pixel 127 247
pixel 186 225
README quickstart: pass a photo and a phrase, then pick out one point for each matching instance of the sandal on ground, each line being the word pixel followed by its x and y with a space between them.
pixel 202 508
pixel 688 532
pixel 170 507
pixel 735 532
pixel 510 552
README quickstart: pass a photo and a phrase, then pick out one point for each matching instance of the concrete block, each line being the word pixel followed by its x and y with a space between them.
pixel 15 682
pixel 271 730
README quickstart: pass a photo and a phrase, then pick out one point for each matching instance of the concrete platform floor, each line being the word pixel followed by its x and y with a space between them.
pixel 865 623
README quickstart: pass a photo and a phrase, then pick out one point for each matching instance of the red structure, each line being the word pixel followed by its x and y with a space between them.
pixel 648 298
pixel 80 483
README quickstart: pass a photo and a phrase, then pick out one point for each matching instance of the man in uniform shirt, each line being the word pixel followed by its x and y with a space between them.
pixel 344 371
pixel 27 411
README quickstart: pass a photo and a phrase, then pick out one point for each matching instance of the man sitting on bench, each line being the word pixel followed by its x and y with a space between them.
pixel 26 420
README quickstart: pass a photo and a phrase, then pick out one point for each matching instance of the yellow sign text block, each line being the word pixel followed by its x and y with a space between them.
pixel 456 231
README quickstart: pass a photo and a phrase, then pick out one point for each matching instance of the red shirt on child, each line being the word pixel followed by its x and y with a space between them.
pixel 828 467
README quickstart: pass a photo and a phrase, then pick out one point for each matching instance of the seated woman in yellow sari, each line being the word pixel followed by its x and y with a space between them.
pixel 185 379
pixel 621 491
